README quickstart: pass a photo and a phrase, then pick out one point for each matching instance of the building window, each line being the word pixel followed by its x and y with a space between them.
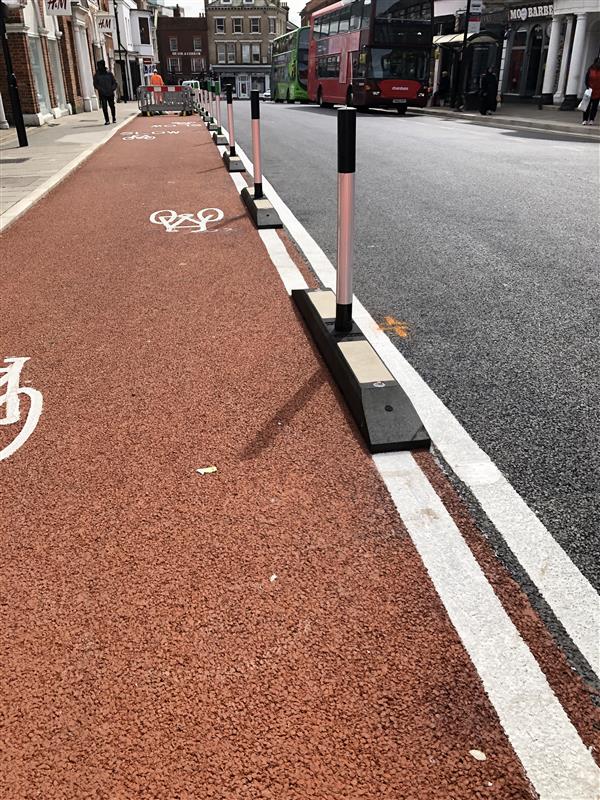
pixel 231 52
pixel 219 24
pixel 245 54
pixel 144 24
pixel 220 53
pixel 272 25
pixel 174 65
pixel 197 65
pixel 248 2
pixel 173 44
pixel 254 24
pixel 238 24
pixel 197 44
pixel 256 54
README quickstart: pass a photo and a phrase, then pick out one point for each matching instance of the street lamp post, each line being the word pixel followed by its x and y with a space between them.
pixel 123 63
pixel 13 90
pixel 463 49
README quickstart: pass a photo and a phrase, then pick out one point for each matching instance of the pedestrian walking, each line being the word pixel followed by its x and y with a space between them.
pixel 488 90
pixel 443 92
pixel 105 84
pixel 592 84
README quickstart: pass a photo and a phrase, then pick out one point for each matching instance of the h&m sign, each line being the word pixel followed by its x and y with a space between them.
pixel 530 12
pixel 58 8
pixel 105 22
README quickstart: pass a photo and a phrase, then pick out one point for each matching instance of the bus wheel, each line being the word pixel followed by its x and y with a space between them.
pixel 321 102
pixel 401 110
pixel 349 98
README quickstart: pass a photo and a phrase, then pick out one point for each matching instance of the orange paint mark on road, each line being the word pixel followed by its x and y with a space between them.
pixel 396 326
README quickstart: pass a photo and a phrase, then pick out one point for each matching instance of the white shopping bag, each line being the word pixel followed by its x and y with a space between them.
pixel 585 100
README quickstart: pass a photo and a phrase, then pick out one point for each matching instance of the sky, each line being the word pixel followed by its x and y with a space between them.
pixel 192 7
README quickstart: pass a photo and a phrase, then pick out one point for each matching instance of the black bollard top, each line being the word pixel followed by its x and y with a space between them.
pixel 254 104
pixel 346 130
pixel 229 93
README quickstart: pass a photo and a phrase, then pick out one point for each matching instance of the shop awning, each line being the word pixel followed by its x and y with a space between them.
pixel 456 39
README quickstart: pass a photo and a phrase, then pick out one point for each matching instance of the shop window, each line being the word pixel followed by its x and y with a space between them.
pixel 517 56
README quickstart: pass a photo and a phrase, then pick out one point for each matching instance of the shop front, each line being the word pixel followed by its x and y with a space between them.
pixel 525 52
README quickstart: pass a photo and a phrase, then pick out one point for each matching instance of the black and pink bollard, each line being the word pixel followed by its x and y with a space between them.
pixel 232 161
pixel 218 137
pixel 259 207
pixel 212 122
pixel 384 414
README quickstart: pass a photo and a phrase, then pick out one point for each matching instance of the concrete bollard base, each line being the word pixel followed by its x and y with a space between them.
pixel 384 414
pixel 219 138
pixel 233 163
pixel 261 210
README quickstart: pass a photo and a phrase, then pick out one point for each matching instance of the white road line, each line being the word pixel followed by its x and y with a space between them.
pixel 554 757
pixel 568 593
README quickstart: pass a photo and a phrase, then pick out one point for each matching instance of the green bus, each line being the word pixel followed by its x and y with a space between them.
pixel 289 66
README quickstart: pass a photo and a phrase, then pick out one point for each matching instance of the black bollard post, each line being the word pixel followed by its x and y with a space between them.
pixel 346 128
pixel 383 412
pixel 261 210
pixel 232 161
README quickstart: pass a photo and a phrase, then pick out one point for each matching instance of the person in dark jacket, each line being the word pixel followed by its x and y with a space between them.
pixel 488 90
pixel 105 84
pixel 444 89
pixel 592 81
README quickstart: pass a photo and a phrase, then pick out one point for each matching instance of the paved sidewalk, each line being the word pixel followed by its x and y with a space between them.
pixel 25 172
pixel 265 629
pixel 526 115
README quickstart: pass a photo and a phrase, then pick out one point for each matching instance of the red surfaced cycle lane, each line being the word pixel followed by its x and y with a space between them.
pixel 265 630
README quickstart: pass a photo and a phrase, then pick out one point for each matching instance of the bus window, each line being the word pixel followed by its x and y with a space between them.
pixel 317 28
pixel 325 26
pixel 355 15
pixel 334 23
pixel 344 19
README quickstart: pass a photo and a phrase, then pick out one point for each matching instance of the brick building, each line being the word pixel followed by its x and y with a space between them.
pixel 240 33
pixel 182 47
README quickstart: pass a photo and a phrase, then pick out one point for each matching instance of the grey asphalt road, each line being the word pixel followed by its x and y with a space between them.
pixel 484 241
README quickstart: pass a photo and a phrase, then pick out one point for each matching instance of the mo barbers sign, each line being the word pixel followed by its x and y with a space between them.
pixel 530 12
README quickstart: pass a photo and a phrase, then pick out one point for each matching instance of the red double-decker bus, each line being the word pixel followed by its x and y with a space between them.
pixel 371 53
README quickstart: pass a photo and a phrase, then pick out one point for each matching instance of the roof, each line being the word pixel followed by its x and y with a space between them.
pixel 456 39
pixel 240 3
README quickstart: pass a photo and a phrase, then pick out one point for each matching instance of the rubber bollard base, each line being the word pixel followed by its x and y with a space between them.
pixel 233 163
pixel 212 126
pixel 262 212
pixel 219 139
pixel 381 409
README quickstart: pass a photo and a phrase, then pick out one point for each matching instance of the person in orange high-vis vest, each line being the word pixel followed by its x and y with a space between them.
pixel 156 80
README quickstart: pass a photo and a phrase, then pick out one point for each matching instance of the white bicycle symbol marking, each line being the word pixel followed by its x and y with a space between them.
pixel 197 223
pixel 9 376
pixel 137 135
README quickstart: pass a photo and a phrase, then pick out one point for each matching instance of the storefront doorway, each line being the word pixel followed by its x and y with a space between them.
pixel 243 86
